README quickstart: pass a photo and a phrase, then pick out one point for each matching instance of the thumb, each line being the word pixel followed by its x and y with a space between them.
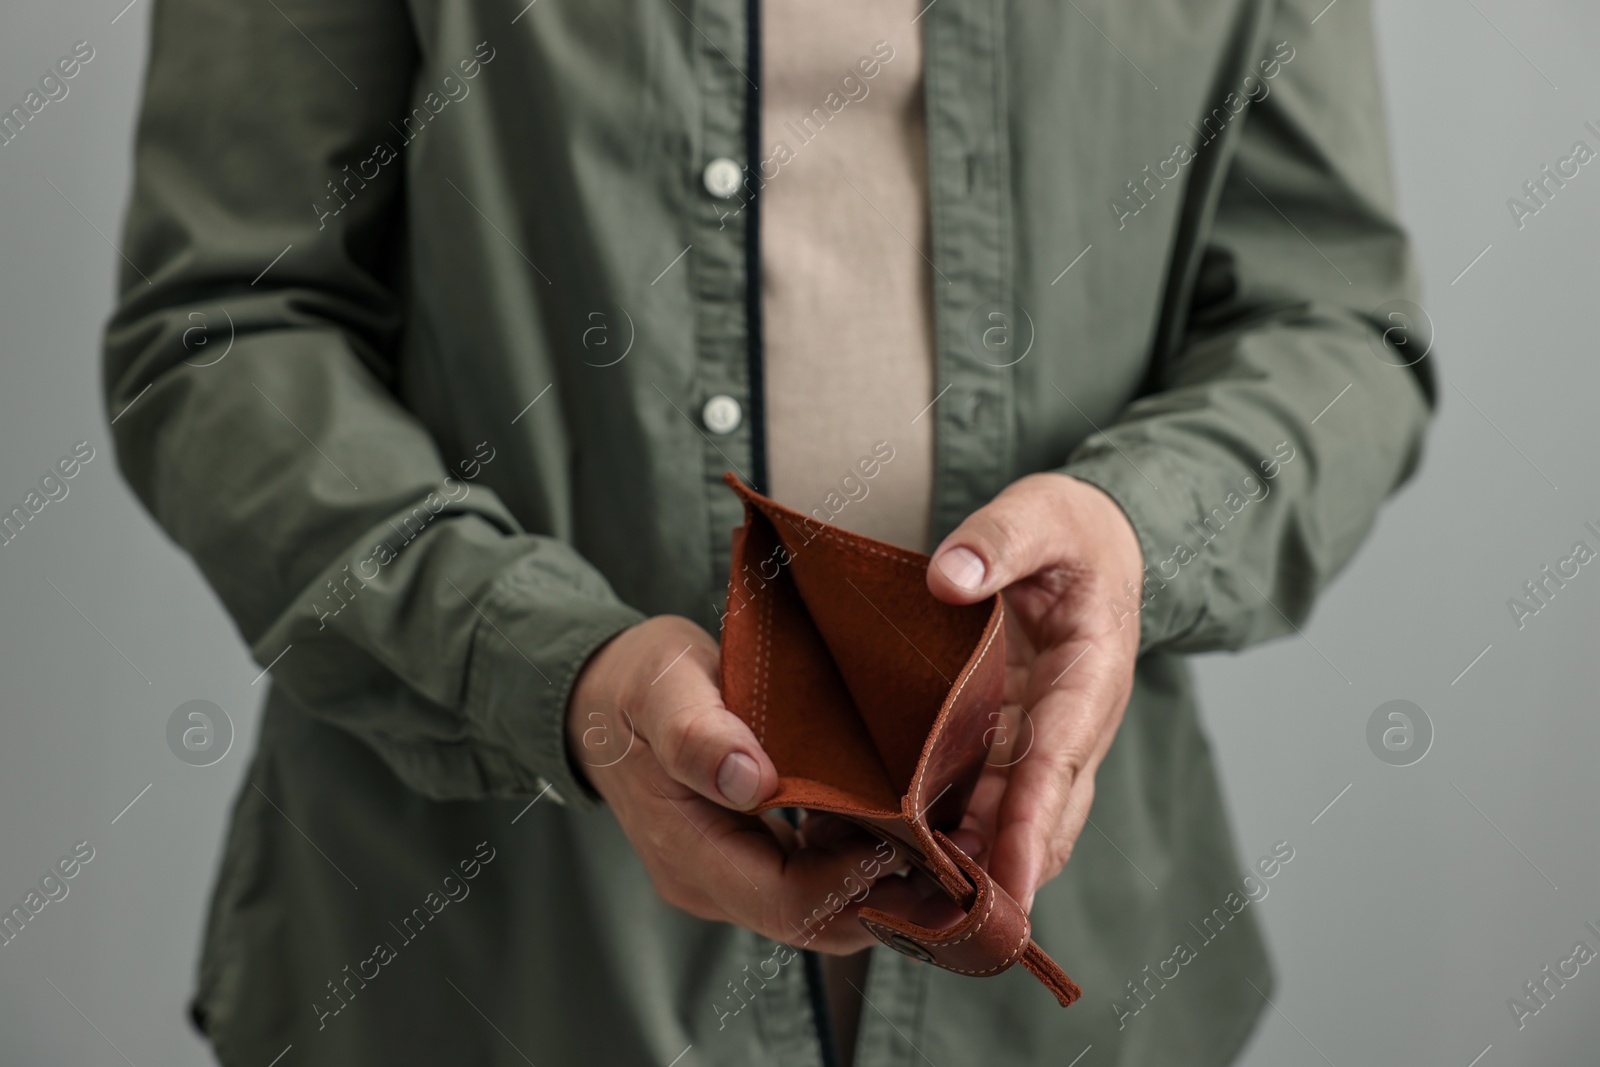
pixel 659 680
pixel 711 750
pixel 698 741
pixel 1002 542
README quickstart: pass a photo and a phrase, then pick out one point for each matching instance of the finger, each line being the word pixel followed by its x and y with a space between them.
pixel 1020 654
pixel 1020 650
pixel 822 890
pixel 1016 683
pixel 787 836
pixel 1009 736
pixel 983 809
pixel 1073 728
pixel 698 741
pixel 1002 542
pixel 727 867
pixel 917 899
pixel 1012 846
pixel 969 841
pixel 821 829
pixel 1025 833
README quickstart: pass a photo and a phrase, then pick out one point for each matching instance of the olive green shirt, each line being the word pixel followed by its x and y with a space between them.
pixel 423 309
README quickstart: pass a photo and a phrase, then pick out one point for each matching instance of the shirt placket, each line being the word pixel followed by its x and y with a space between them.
pixel 963 50
pixel 980 332
pixel 724 258
pixel 968 195
pixel 721 255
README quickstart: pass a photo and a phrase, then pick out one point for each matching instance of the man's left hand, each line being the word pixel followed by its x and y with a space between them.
pixel 1069 566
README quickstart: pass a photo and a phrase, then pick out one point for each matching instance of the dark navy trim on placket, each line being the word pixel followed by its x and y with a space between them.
pixel 756 401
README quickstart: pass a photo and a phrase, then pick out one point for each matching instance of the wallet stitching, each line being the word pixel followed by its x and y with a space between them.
pixel 986 913
pixel 764 661
pixel 916 804
pixel 910 561
pixel 884 933
pixel 1009 960
pixel 774 511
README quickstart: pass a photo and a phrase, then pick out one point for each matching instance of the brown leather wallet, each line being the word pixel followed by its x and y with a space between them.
pixel 874 698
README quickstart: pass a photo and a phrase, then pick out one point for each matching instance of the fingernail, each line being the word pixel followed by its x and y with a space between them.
pixel 738 779
pixel 963 567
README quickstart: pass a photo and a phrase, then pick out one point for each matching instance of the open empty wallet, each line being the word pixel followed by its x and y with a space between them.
pixel 874 699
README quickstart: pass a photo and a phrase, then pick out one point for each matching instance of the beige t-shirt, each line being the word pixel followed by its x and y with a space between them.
pixel 846 297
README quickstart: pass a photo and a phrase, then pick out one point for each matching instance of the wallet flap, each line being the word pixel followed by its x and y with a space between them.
pixel 957 742
pixel 779 676
pixel 988 939
pixel 993 936
pixel 899 651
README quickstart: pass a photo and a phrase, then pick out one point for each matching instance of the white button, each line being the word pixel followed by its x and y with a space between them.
pixel 722 177
pixel 721 414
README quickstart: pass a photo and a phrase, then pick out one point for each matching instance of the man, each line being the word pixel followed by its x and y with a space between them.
pixel 442 324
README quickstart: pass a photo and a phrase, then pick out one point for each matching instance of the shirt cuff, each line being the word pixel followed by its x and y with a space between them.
pixel 1139 481
pixel 533 637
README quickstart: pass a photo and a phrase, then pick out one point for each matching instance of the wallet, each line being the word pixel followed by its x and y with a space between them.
pixel 875 700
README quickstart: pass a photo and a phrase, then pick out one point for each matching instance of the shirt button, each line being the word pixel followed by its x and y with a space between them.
pixel 721 414
pixel 722 177
pixel 968 413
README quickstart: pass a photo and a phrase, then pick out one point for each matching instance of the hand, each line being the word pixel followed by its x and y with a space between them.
pixel 647 725
pixel 1060 551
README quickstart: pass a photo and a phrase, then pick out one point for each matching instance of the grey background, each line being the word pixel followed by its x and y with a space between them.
pixel 1415 905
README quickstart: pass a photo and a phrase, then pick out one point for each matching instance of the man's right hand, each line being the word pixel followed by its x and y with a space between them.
pixel 646 724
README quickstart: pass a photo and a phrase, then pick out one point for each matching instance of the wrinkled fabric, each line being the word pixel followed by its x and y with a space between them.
pixel 422 305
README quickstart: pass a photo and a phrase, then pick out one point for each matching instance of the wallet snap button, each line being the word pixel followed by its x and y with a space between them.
pixel 907 947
